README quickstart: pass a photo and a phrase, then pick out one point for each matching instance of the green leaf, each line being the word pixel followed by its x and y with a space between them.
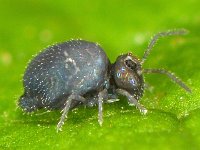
pixel 173 119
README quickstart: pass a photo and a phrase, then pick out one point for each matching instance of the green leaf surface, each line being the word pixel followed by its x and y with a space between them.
pixel 173 119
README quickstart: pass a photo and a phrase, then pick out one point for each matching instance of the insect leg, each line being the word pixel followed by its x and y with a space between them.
pixel 101 96
pixel 171 76
pixel 66 109
pixel 132 100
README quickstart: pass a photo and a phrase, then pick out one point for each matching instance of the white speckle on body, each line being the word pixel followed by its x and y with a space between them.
pixel 66 54
pixel 70 60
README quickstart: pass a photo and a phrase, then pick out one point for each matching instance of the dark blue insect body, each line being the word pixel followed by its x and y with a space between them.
pixel 78 72
pixel 61 70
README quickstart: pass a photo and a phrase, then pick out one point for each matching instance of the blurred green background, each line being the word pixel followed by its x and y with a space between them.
pixel 173 121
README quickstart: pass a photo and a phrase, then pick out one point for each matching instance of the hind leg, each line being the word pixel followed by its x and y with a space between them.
pixel 66 108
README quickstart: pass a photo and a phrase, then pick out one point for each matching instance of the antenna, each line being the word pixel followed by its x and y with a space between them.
pixel 158 36
pixel 171 76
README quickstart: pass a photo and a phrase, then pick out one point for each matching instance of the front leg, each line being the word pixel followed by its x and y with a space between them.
pixel 132 100
pixel 67 107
